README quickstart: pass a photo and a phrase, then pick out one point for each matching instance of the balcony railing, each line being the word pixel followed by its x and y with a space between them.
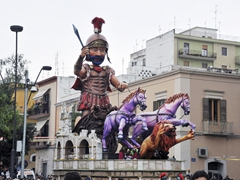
pixel 218 127
pixel 38 108
pixel 222 70
pixel 197 54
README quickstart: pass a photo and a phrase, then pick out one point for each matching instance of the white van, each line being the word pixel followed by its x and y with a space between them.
pixel 28 173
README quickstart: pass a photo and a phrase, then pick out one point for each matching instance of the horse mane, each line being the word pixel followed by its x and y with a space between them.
pixel 165 142
pixel 173 98
pixel 130 96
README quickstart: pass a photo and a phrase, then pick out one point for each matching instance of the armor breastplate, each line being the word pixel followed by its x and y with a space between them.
pixel 97 82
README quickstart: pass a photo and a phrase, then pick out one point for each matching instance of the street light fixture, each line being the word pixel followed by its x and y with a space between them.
pixel 16 29
pixel 46 68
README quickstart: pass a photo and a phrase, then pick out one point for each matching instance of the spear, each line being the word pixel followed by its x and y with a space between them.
pixel 77 34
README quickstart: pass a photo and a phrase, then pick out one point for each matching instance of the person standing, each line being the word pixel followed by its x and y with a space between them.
pixel 72 176
pixel 200 175
pixel 121 154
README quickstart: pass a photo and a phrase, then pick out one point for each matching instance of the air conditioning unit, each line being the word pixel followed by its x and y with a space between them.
pixel 202 152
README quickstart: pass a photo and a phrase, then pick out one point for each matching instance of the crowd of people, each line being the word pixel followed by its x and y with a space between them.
pixel 74 176
pixel 5 171
pixel 128 154
pixel 198 175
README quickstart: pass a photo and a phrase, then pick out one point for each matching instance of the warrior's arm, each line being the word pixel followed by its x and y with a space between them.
pixel 115 82
pixel 78 70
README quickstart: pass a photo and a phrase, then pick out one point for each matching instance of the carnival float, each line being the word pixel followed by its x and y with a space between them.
pixel 92 146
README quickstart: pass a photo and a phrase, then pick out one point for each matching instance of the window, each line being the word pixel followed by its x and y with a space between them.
pixel 186 48
pixel 204 65
pixel 204 50
pixel 45 105
pixel 33 158
pixel 44 130
pixel 185 63
pixel 224 67
pixel 224 51
pixel 214 110
pixel 144 62
pixel 134 63
pixel 158 103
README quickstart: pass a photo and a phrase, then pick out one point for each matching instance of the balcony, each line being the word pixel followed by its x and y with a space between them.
pixel 199 55
pixel 39 109
pixel 217 128
pixel 222 70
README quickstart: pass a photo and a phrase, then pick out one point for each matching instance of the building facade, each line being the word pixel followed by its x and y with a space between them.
pixel 51 94
pixel 214 110
pixel 197 47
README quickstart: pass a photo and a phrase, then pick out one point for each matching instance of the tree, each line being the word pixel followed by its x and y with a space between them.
pixel 7 75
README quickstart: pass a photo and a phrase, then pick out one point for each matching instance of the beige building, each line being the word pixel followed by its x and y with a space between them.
pixel 214 110
pixel 46 113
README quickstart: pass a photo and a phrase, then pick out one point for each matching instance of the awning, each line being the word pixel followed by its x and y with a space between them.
pixel 40 124
pixel 40 94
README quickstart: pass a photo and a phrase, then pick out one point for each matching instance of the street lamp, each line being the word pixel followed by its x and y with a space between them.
pixel 16 29
pixel 47 68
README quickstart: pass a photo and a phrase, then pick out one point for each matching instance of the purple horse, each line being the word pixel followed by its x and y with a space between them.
pixel 165 112
pixel 121 120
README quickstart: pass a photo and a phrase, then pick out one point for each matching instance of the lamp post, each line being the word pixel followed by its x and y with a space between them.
pixel 47 68
pixel 16 29
pixel 24 124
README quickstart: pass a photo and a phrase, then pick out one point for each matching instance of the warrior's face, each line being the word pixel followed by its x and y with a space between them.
pixel 97 55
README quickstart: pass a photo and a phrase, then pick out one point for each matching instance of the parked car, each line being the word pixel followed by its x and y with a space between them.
pixel 28 173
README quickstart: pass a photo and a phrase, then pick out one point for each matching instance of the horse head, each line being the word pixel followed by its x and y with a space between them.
pixel 185 105
pixel 140 99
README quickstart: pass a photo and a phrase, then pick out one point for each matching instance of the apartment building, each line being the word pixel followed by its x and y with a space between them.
pixel 197 47
pixel 46 111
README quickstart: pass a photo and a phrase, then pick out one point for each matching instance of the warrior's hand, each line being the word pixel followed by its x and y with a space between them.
pixel 122 86
pixel 84 51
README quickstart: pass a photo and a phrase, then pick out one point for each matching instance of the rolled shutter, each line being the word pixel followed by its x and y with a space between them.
pixel 205 109
pixel 223 110
pixel 155 105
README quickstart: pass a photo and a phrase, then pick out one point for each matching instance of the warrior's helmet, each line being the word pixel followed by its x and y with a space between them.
pixel 97 40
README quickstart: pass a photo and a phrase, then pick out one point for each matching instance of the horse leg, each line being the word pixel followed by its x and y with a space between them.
pixel 106 131
pixel 144 123
pixel 193 126
pixel 183 122
pixel 120 128
pixel 137 130
pixel 127 143
pixel 186 123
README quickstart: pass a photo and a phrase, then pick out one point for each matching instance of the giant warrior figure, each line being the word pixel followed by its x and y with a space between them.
pixel 94 81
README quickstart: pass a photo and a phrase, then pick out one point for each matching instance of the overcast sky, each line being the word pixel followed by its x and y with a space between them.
pixel 48 34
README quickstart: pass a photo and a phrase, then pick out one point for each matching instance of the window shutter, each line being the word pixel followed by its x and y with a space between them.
pixel 155 105
pixel 205 109
pixel 223 110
